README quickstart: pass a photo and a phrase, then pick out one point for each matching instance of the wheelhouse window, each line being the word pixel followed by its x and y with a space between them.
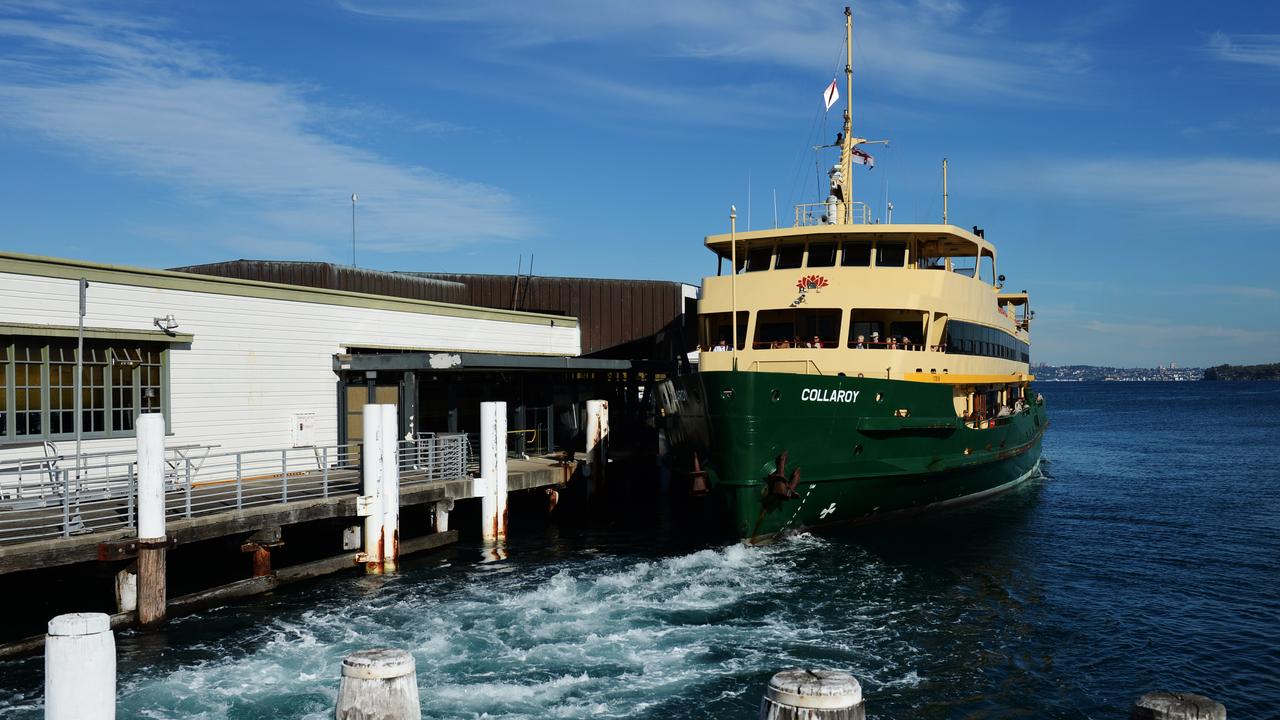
pixel 796 327
pixel 759 258
pixel 717 330
pixel 789 257
pixel 856 254
pixel 37 388
pixel 966 338
pixel 891 254
pixel 822 254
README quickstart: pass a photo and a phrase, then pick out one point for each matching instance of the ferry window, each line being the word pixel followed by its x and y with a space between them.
pixel 758 258
pixel 966 265
pixel 791 328
pixel 822 254
pixel 856 254
pixel 716 328
pixel 892 254
pixel 987 268
pixel 866 333
pixel 789 256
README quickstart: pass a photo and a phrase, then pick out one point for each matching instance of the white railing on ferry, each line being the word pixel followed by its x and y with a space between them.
pixel 857 213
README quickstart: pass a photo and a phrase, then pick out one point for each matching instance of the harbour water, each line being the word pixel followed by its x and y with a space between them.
pixel 1148 557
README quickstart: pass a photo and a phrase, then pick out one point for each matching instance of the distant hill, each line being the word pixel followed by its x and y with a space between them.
pixel 1243 372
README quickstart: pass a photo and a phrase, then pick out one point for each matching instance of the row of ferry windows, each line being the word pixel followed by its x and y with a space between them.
pixel 825 254
pixel 882 253
pixel 867 329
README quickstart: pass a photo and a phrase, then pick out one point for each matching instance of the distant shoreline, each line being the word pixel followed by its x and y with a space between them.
pixel 1234 373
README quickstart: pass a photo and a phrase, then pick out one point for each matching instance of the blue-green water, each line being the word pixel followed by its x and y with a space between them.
pixel 1148 558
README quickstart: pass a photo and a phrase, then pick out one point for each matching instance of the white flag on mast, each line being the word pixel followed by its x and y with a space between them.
pixel 831 94
pixel 863 158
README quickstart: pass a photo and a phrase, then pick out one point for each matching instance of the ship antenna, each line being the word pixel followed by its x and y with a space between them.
pixel 847 141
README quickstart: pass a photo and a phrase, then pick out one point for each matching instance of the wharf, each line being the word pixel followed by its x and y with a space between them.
pixel 221 518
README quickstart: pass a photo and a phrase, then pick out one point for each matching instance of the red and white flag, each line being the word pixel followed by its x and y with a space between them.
pixel 863 158
pixel 831 94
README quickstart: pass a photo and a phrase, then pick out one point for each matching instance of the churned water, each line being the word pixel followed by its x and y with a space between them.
pixel 1147 558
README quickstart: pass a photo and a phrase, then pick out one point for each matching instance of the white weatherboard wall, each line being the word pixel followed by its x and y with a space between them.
pixel 255 362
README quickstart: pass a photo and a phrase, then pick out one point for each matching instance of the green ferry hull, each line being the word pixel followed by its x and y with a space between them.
pixel 866 448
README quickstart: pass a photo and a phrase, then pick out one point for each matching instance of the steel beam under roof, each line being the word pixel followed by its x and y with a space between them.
pixel 446 361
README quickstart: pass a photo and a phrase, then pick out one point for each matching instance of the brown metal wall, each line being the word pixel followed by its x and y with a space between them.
pixel 610 312
pixel 334 277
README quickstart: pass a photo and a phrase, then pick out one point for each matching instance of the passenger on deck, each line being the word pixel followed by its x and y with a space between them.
pixel 862 342
pixel 816 342
pixel 906 343
pixel 875 337
pixel 893 343
pixel 722 346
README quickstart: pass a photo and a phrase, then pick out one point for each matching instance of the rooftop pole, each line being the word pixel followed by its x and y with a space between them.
pixel 944 191
pixel 354 198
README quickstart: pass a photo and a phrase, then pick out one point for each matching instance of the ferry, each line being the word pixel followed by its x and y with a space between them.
pixel 851 370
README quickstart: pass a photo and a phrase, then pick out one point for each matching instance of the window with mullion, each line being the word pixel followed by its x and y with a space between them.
pixel 124 400
pixel 62 390
pixel 4 391
pixel 28 406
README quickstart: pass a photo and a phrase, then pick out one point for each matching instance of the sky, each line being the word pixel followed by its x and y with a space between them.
pixel 1123 156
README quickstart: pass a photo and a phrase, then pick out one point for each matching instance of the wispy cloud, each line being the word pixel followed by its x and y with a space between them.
pixel 121 92
pixel 1183 187
pixel 921 48
pixel 1251 49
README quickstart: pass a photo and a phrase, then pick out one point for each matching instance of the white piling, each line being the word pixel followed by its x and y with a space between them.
pixel 443 508
pixel 597 445
pixel 126 591
pixel 370 503
pixel 80 668
pixel 152 594
pixel 813 695
pixel 1164 705
pixel 378 685
pixel 492 486
pixel 390 487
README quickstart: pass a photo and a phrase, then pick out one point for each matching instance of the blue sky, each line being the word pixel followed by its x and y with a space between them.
pixel 1124 156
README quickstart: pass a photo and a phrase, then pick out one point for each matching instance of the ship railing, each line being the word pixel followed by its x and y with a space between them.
pixel 833 213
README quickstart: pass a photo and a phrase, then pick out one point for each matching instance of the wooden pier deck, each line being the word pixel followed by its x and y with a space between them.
pixel 220 517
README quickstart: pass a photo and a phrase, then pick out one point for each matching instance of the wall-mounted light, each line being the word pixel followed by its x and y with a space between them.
pixel 166 324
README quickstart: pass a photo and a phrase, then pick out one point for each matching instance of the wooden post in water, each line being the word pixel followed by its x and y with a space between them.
pixel 1164 705
pixel 378 685
pixel 813 695
pixel 80 668
pixel 152 543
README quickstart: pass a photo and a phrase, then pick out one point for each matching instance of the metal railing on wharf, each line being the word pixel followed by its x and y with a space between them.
pixel 43 498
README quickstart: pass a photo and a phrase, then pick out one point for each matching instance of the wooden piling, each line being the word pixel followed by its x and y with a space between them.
pixel 152 543
pixel 1163 705
pixel 378 684
pixel 813 695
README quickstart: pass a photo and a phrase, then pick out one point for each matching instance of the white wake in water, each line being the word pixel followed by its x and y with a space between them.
pixel 585 637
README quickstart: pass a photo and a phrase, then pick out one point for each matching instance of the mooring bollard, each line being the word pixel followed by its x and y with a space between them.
pixel 378 684
pixel 492 485
pixel 813 695
pixel 80 668
pixel 1164 705
pixel 152 593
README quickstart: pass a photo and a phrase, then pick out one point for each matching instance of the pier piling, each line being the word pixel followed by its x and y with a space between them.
pixel 493 470
pixel 813 695
pixel 372 457
pixel 152 595
pixel 378 684
pixel 597 445
pixel 390 488
pixel 1163 705
pixel 80 668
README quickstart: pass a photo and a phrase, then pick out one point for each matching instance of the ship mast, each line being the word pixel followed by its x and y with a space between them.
pixel 845 181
